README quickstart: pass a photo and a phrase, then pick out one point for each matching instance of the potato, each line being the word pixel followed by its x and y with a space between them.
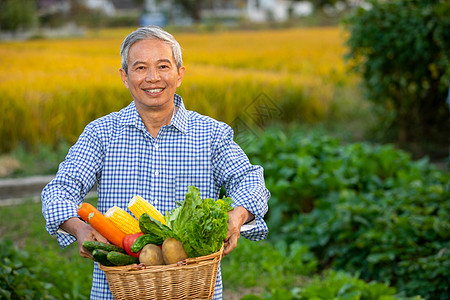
pixel 173 251
pixel 151 255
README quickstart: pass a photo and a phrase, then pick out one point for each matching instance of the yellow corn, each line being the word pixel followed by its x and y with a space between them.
pixel 123 220
pixel 139 205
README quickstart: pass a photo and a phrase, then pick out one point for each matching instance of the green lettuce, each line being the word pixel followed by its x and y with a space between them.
pixel 200 224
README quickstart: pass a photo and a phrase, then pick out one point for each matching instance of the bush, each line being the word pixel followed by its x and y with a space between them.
pixel 362 208
pixel 401 49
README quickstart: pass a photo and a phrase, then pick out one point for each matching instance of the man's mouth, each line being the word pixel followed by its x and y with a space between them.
pixel 153 91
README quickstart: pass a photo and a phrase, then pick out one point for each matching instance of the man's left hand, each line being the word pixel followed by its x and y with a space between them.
pixel 237 217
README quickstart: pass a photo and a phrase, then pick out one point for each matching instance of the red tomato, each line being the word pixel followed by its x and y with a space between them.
pixel 129 240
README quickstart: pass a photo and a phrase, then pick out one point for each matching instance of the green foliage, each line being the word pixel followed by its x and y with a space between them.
pixel 384 237
pixel 44 160
pixel 17 14
pixel 300 168
pixel 369 209
pixel 267 265
pixel 19 274
pixel 64 273
pixel 401 49
pixel 336 285
pixel 36 274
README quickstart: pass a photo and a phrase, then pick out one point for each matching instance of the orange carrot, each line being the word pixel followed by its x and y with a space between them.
pixel 100 223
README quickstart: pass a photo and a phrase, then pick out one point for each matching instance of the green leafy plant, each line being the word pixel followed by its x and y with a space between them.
pixel 364 208
pixel 267 265
pixel 19 275
pixel 200 224
pixel 24 224
pixel 337 285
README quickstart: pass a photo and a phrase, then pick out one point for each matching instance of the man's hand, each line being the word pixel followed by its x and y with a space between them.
pixel 237 217
pixel 83 232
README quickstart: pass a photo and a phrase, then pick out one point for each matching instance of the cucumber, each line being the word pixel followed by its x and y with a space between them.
pixel 92 245
pixel 144 240
pixel 120 259
pixel 100 256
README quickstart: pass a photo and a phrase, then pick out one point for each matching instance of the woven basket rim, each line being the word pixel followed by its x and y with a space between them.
pixel 186 264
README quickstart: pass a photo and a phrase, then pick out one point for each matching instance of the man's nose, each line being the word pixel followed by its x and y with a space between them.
pixel 152 75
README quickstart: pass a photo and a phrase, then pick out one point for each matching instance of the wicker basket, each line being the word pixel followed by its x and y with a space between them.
pixel 194 278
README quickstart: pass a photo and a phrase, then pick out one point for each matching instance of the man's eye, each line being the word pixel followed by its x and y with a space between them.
pixel 141 68
pixel 163 66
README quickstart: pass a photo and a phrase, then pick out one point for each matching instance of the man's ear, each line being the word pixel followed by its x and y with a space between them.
pixel 124 77
pixel 181 72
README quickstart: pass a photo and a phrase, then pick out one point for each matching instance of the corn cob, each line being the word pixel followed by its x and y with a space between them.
pixel 139 205
pixel 123 220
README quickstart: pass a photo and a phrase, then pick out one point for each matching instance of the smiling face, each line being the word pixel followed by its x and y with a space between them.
pixel 152 76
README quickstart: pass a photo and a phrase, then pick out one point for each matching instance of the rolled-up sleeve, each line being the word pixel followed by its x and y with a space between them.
pixel 75 178
pixel 243 182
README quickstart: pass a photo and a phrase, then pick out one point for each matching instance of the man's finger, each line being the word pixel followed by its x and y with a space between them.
pixel 86 254
pixel 230 244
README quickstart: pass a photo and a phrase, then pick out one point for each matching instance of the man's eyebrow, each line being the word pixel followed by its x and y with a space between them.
pixel 165 60
pixel 137 62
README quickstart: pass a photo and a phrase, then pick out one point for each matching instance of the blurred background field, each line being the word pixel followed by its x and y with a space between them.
pixel 52 88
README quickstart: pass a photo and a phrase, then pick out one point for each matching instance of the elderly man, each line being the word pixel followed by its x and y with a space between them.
pixel 155 148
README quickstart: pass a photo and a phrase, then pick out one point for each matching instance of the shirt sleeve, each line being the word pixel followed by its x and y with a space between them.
pixel 75 178
pixel 243 182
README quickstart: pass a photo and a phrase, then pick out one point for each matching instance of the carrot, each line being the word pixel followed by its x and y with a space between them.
pixel 100 223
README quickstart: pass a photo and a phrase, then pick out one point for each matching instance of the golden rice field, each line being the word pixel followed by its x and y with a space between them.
pixel 50 89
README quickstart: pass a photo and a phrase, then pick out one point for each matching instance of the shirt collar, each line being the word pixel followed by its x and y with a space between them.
pixel 179 121
pixel 130 116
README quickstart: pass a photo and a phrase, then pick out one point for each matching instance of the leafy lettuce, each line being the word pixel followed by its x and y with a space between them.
pixel 201 225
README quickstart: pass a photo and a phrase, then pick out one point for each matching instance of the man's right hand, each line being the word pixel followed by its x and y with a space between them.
pixel 83 232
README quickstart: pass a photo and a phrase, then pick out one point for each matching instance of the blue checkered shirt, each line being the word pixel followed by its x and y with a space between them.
pixel 118 153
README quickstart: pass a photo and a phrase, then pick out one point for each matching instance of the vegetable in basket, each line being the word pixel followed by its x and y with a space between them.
pixel 109 255
pixel 100 223
pixel 129 240
pixel 200 224
pixel 155 228
pixel 173 251
pixel 151 255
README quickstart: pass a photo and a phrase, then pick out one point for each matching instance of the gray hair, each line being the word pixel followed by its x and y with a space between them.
pixel 150 32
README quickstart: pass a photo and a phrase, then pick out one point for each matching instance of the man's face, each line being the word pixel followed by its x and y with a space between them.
pixel 152 75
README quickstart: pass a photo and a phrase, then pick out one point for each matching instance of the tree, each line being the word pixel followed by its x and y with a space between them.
pixel 17 14
pixel 401 48
pixel 192 7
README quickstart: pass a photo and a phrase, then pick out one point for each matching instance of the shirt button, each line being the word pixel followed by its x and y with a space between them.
pixel 156 173
pixel 155 201
pixel 156 146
